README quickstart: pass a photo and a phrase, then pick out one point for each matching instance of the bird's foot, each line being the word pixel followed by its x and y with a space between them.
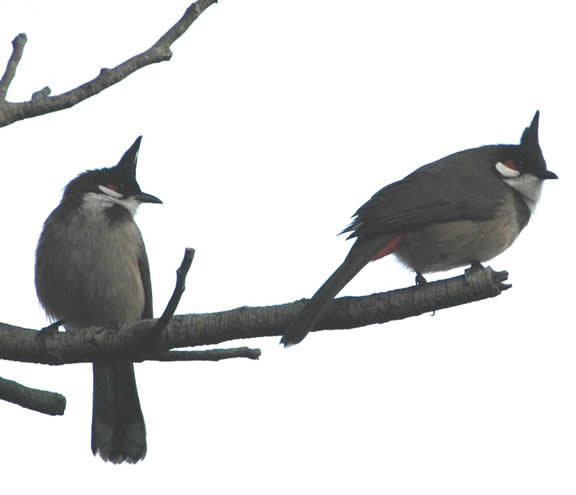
pixel 420 280
pixel 49 330
pixel 475 266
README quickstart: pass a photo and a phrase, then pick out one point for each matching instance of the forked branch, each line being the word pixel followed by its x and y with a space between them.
pixel 42 103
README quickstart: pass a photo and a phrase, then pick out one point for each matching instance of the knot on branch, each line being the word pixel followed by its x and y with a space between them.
pixel 160 52
pixel 484 280
pixel 42 95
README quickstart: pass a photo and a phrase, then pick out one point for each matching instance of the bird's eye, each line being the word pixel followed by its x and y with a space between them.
pixel 114 187
pixel 511 164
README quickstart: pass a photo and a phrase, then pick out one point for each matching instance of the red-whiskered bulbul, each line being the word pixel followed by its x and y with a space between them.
pixel 92 270
pixel 463 209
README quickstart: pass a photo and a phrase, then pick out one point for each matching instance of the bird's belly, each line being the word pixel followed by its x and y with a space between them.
pixel 444 246
pixel 97 283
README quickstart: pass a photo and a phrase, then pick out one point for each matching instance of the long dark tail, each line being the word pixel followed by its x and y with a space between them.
pixel 360 255
pixel 118 430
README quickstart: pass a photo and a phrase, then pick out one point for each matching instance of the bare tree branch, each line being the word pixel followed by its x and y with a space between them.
pixel 162 322
pixel 207 355
pixel 31 398
pixel 129 342
pixel 181 274
pixel 17 50
pixel 41 101
pixel 54 404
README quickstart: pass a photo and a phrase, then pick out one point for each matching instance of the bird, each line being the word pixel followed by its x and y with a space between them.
pixel 92 270
pixel 463 209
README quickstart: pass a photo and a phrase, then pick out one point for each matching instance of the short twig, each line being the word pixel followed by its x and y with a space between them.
pixel 179 289
pixel 17 50
pixel 31 398
pixel 206 355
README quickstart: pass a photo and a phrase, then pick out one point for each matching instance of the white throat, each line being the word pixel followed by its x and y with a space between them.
pixel 529 186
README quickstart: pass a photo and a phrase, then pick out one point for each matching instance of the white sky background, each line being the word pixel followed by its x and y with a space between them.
pixel 271 125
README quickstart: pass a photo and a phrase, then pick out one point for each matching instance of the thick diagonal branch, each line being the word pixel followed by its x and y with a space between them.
pixel 94 344
pixel 42 103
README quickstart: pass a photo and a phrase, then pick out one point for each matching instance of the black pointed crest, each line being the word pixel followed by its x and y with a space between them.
pixel 130 158
pixel 530 147
pixel 530 134
pixel 124 174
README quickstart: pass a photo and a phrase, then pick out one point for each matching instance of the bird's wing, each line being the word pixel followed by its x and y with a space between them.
pixel 144 268
pixel 461 186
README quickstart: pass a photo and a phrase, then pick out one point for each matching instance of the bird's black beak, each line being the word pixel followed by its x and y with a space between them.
pixel 548 175
pixel 146 198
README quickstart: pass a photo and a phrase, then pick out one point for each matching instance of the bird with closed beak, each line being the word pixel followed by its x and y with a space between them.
pixel 92 270
pixel 463 209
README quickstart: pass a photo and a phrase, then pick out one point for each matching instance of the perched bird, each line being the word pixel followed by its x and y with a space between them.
pixel 92 270
pixel 463 209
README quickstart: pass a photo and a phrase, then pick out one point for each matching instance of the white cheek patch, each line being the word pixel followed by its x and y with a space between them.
pixel 110 192
pixel 98 202
pixel 529 186
pixel 506 171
